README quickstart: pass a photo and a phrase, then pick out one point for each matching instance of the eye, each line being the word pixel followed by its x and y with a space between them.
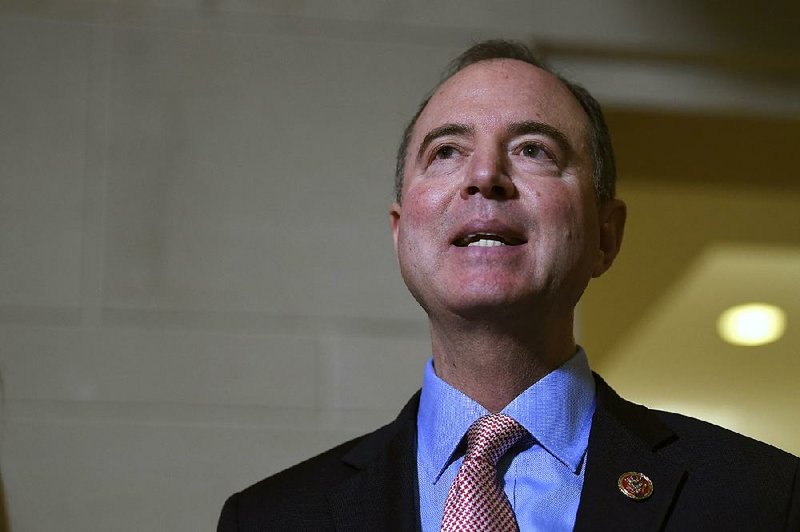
pixel 445 152
pixel 534 151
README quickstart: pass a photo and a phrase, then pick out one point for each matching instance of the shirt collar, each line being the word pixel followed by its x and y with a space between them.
pixel 557 410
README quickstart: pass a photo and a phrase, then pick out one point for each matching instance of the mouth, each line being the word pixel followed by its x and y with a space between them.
pixel 487 240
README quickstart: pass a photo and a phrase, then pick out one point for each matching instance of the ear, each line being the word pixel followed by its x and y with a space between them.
pixel 611 215
pixel 394 214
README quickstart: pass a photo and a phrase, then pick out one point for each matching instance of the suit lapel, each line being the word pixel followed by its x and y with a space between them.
pixel 382 495
pixel 626 437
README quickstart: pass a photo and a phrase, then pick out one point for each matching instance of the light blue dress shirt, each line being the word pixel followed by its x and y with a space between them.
pixel 543 476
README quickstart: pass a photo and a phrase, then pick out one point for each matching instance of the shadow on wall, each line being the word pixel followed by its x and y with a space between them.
pixel 4 520
pixel 4 527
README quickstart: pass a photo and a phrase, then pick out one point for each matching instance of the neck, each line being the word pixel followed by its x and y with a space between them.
pixel 492 363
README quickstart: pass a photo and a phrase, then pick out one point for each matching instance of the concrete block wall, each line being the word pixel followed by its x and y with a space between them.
pixel 197 284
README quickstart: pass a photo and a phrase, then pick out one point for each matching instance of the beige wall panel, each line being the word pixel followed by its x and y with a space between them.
pixel 190 367
pixel 236 182
pixel 43 90
pixel 372 373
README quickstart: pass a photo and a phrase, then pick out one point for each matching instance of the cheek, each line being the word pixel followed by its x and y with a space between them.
pixel 419 220
pixel 427 192
pixel 563 218
pixel 556 206
pixel 425 207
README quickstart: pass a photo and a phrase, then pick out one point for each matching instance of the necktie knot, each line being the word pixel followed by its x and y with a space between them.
pixel 476 502
pixel 491 436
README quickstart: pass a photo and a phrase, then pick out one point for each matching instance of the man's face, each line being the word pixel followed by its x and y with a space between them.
pixel 498 208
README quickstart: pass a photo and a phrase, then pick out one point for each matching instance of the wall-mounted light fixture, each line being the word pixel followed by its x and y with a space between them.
pixel 751 324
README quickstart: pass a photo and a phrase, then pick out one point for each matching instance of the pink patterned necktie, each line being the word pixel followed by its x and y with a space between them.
pixel 476 502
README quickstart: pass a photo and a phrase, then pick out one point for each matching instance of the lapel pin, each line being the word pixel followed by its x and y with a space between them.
pixel 635 485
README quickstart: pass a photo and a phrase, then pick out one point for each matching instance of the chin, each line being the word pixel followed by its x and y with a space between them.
pixel 481 304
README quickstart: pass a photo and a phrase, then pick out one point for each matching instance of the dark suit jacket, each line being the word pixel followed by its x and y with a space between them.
pixel 704 478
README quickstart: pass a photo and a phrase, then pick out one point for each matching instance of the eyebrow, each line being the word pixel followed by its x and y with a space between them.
pixel 531 127
pixel 443 131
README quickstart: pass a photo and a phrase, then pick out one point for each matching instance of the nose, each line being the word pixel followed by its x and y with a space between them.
pixel 487 174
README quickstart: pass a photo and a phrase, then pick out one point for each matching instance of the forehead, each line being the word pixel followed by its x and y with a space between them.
pixel 502 91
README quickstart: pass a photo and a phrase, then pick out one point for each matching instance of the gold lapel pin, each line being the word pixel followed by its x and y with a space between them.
pixel 635 485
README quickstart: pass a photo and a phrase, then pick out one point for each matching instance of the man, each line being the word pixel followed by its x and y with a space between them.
pixel 505 210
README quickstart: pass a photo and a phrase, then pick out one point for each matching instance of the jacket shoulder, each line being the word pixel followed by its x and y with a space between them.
pixel 692 439
pixel 297 497
pixel 727 479
pixel 726 461
pixel 733 477
pixel 294 495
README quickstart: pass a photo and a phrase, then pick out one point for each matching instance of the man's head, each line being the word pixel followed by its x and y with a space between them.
pixel 500 210
pixel 604 172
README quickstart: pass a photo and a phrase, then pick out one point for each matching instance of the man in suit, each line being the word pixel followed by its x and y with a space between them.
pixel 505 210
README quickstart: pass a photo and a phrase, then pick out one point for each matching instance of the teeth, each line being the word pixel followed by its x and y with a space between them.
pixel 487 240
pixel 485 243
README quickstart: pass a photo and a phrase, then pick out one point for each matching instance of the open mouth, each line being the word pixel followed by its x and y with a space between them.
pixel 486 240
